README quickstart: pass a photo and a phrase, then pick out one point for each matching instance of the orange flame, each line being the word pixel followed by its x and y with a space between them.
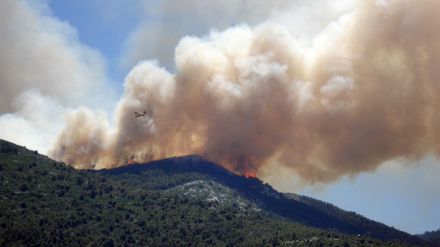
pixel 250 174
pixel 245 167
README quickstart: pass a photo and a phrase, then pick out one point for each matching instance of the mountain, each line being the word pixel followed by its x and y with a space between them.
pixel 300 209
pixel 358 224
pixel 171 202
pixel 432 237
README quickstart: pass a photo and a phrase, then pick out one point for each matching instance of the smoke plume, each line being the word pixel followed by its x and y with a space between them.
pixel 43 70
pixel 364 91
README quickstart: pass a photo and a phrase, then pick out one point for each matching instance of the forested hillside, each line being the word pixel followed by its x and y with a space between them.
pixel 46 203
pixel 432 237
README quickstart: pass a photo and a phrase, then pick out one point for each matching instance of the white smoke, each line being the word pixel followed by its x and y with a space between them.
pixel 43 69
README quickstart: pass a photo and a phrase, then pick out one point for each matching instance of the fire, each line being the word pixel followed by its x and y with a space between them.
pixel 131 161
pixel 246 167
pixel 250 174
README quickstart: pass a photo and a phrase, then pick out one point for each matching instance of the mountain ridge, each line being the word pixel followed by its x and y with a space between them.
pixel 44 202
pixel 305 212
pixel 432 237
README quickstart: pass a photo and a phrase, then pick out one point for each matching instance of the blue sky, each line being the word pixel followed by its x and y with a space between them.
pixel 399 193
pixel 402 196
pixel 102 25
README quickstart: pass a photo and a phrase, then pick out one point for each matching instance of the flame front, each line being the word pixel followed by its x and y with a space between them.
pixel 250 174
pixel 131 161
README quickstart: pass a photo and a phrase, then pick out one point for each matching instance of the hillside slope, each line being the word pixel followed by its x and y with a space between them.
pixel 300 209
pixel 46 203
pixel 432 237
pixel 359 222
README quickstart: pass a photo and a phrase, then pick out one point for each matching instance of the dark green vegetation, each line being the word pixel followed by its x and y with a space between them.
pixel 432 237
pixel 357 222
pixel 46 203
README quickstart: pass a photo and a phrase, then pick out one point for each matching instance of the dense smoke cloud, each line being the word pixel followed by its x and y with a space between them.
pixel 165 22
pixel 43 70
pixel 39 51
pixel 365 91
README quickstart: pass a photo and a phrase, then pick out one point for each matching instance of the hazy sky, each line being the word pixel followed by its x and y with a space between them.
pixel 101 40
